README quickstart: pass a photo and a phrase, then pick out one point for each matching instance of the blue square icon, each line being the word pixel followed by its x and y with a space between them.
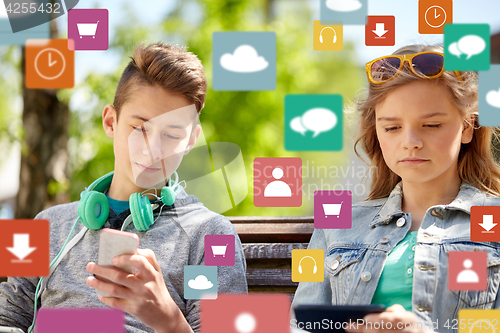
pixel 200 282
pixel 244 61
pixel 350 12
pixel 489 97
pixel 7 37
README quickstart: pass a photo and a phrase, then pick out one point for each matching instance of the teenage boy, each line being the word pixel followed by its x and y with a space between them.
pixel 153 123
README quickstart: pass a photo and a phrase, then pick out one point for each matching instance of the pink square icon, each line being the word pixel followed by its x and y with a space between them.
pixel 332 209
pixel 88 29
pixel 79 320
pixel 219 250
pixel 277 182
pixel 246 313
pixel 467 270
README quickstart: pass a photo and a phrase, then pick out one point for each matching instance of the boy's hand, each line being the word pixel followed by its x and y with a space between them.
pixel 143 295
pixel 391 320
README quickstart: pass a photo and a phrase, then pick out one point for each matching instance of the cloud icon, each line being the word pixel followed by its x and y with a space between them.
pixel 3 11
pixel 244 60
pixel 200 283
pixel 343 5
pixel 493 98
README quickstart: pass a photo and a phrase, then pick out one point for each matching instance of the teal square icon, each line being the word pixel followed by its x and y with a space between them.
pixel 489 97
pixel 350 12
pixel 313 123
pixel 244 61
pixel 200 282
pixel 467 47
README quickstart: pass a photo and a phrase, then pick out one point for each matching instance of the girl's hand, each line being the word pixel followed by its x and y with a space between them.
pixel 394 319
pixel 143 295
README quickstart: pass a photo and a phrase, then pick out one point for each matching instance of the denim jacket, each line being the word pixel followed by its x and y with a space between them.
pixel 354 258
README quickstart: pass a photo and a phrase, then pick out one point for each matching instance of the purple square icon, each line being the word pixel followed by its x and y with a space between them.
pixel 332 209
pixel 88 29
pixel 219 250
pixel 80 320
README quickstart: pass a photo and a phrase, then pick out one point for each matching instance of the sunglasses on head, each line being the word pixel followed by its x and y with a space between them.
pixel 426 65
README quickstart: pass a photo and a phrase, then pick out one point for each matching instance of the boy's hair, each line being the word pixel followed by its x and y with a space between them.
pixel 166 65
pixel 476 164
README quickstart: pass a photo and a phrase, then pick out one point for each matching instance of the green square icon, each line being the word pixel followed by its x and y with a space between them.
pixel 467 47
pixel 313 123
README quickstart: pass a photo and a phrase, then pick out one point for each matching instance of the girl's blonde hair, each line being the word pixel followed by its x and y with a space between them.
pixel 476 164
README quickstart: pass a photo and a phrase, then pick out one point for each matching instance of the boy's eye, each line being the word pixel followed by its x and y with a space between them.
pixel 138 128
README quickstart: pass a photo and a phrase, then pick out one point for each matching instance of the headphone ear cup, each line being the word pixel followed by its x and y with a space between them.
pixel 320 38
pixel 168 195
pixel 142 213
pixel 93 209
pixel 300 269
pixel 315 269
pixel 335 39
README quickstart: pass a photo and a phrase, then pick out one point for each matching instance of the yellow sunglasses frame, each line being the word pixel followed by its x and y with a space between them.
pixel 405 58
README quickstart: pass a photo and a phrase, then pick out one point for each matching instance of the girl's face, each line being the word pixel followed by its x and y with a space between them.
pixel 420 132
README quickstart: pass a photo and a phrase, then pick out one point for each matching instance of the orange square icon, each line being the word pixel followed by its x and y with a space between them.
pixel 49 64
pixel 433 15
pixel 24 248
pixel 484 222
pixel 327 37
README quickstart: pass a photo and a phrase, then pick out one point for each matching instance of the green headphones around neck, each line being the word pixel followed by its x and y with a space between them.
pixel 93 208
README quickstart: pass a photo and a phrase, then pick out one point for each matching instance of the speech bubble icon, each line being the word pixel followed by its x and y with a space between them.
pixel 296 125
pixel 471 45
pixel 453 48
pixel 319 120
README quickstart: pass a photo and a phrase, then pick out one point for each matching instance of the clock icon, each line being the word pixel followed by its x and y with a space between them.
pixel 50 63
pixel 435 16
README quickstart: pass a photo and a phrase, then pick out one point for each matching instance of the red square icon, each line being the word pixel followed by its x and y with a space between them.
pixel 483 223
pixel 380 31
pixel 24 248
pixel 246 313
pixel 467 270
pixel 277 182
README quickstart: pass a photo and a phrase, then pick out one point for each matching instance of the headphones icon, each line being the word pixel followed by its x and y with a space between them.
pixel 93 208
pixel 315 269
pixel 334 36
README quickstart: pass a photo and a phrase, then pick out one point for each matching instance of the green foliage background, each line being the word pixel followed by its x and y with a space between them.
pixel 252 120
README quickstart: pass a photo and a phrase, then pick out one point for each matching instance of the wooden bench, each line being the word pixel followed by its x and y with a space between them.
pixel 268 243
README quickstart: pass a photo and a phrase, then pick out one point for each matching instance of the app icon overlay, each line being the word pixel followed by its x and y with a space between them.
pixel 219 250
pixel 380 31
pixel 489 97
pixel 88 29
pixel 467 47
pixel 350 12
pixel 308 265
pixel 327 37
pixel 200 282
pixel 277 182
pixel 77 320
pixel 246 313
pixel 49 64
pixel 313 122
pixel 467 270
pixel 332 209
pixel 484 222
pixel 478 320
pixel 433 15
pixel 244 61
pixel 24 248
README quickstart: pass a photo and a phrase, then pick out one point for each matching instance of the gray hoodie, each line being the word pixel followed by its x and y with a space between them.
pixel 177 239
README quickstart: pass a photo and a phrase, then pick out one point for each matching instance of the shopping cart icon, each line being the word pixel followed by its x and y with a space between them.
pixel 219 250
pixel 332 209
pixel 87 29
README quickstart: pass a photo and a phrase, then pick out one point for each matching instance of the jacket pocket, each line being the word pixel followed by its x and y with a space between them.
pixel 480 299
pixel 339 258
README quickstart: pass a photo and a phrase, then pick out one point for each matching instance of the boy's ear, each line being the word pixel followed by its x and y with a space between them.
pixel 109 120
pixel 194 137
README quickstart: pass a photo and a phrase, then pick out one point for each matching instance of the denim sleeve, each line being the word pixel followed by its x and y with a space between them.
pixel 315 292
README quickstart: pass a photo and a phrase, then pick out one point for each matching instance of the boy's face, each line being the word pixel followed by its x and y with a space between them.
pixel 155 130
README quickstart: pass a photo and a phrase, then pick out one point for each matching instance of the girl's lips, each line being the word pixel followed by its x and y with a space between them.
pixel 145 169
pixel 414 161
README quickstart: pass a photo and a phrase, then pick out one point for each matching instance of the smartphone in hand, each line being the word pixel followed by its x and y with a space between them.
pixel 113 243
pixel 10 329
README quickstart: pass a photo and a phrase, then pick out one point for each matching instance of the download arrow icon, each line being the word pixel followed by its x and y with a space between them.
pixel 487 222
pixel 380 30
pixel 21 247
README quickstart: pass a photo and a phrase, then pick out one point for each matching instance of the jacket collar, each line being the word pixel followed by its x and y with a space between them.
pixel 467 197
